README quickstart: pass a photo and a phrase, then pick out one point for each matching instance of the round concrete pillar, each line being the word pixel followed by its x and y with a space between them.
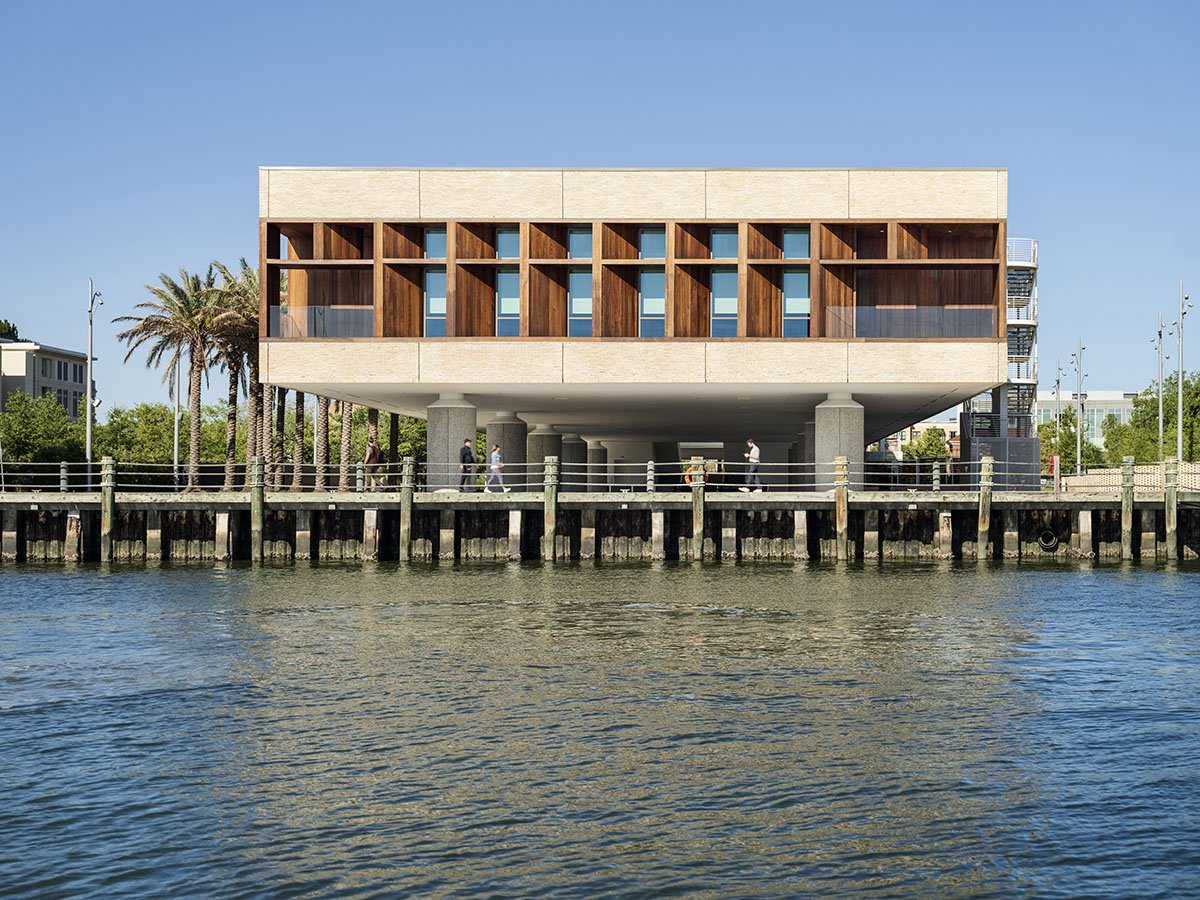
pixel 597 460
pixel 450 420
pixel 505 429
pixel 839 432
pixel 573 463
pixel 543 441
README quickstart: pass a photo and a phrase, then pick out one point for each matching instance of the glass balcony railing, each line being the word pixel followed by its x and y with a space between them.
pixel 912 322
pixel 322 322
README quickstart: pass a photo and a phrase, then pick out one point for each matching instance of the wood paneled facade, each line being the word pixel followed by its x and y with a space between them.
pixel 872 278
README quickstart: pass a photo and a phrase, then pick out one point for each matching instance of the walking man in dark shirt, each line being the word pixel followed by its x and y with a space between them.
pixel 466 465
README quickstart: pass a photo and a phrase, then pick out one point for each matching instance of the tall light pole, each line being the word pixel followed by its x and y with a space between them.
pixel 1158 345
pixel 1058 374
pixel 178 366
pixel 94 300
pixel 1077 363
pixel 1178 323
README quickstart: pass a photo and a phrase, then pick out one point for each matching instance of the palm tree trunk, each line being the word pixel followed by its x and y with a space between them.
pixel 253 411
pixel 394 438
pixel 195 373
pixel 264 441
pixel 344 458
pixel 235 379
pixel 372 424
pixel 322 440
pixel 298 445
pixel 280 428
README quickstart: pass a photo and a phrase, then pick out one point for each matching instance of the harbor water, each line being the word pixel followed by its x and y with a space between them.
pixel 582 731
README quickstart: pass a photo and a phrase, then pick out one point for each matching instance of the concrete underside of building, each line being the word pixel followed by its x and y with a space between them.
pixel 651 390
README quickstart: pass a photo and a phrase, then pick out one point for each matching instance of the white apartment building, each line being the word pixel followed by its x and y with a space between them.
pixel 40 370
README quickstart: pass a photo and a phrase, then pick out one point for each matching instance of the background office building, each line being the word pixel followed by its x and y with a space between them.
pixel 1097 405
pixel 39 370
pixel 602 315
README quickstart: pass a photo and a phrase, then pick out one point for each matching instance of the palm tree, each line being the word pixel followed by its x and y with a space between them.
pixel 298 445
pixel 280 429
pixel 235 322
pixel 344 458
pixel 321 437
pixel 178 319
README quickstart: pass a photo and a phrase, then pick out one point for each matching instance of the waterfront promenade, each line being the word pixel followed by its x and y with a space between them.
pixel 559 515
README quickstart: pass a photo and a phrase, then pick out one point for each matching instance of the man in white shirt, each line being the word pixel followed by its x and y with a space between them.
pixel 752 468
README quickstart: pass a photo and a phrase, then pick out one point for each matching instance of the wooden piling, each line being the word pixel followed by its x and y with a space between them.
pixel 945 534
pixel 871 534
pixel 800 534
pixel 1012 546
pixel 1171 506
pixel 514 534
pixel 587 534
pixel 257 487
pixel 697 467
pixel 1083 533
pixel 985 508
pixel 447 536
pixel 658 530
pixel 303 534
pixel 407 486
pixel 1127 508
pixel 841 508
pixel 108 507
pixel 549 508
pixel 221 548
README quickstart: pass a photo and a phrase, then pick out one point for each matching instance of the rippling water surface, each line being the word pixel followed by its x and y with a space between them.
pixel 519 731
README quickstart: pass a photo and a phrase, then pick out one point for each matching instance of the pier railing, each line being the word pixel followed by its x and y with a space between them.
pixel 620 476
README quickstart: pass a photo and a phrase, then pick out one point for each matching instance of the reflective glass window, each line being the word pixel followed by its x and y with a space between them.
pixel 795 243
pixel 435 302
pixel 508 243
pixel 724 243
pixel 508 303
pixel 652 303
pixel 435 243
pixel 652 243
pixel 797 304
pixel 579 243
pixel 579 303
pixel 724 303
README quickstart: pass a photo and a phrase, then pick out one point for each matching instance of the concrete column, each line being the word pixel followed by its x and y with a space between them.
pixel 573 469
pixel 587 534
pixel 221 545
pixel 514 534
pixel 597 459
pixel 728 534
pixel 72 545
pixel 945 535
pixel 450 421
pixel 839 432
pixel 370 541
pixel 1083 533
pixel 510 433
pixel 543 441
pixel 447 536
pixel 1011 535
pixel 303 534
pixel 8 527
pixel 658 531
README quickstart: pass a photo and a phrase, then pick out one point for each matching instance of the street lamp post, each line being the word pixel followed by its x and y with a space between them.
pixel 1080 375
pixel 94 300
pixel 1158 345
pixel 1058 374
pixel 1178 323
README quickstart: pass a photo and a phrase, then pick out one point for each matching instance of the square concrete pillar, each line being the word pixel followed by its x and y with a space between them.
pixel 839 432
pixel 450 421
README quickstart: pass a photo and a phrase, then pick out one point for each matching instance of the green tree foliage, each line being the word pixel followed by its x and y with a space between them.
pixel 929 446
pixel 39 430
pixel 8 330
pixel 1062 442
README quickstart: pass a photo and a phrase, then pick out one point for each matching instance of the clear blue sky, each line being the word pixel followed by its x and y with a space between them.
pixel 133 131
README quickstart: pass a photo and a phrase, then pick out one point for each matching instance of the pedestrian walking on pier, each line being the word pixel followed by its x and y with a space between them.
pixel 752 468
pixel 371 463
pixel 496 476
pixel 466 465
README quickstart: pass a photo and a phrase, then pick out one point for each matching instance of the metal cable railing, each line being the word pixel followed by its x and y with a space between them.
pixel 621 476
